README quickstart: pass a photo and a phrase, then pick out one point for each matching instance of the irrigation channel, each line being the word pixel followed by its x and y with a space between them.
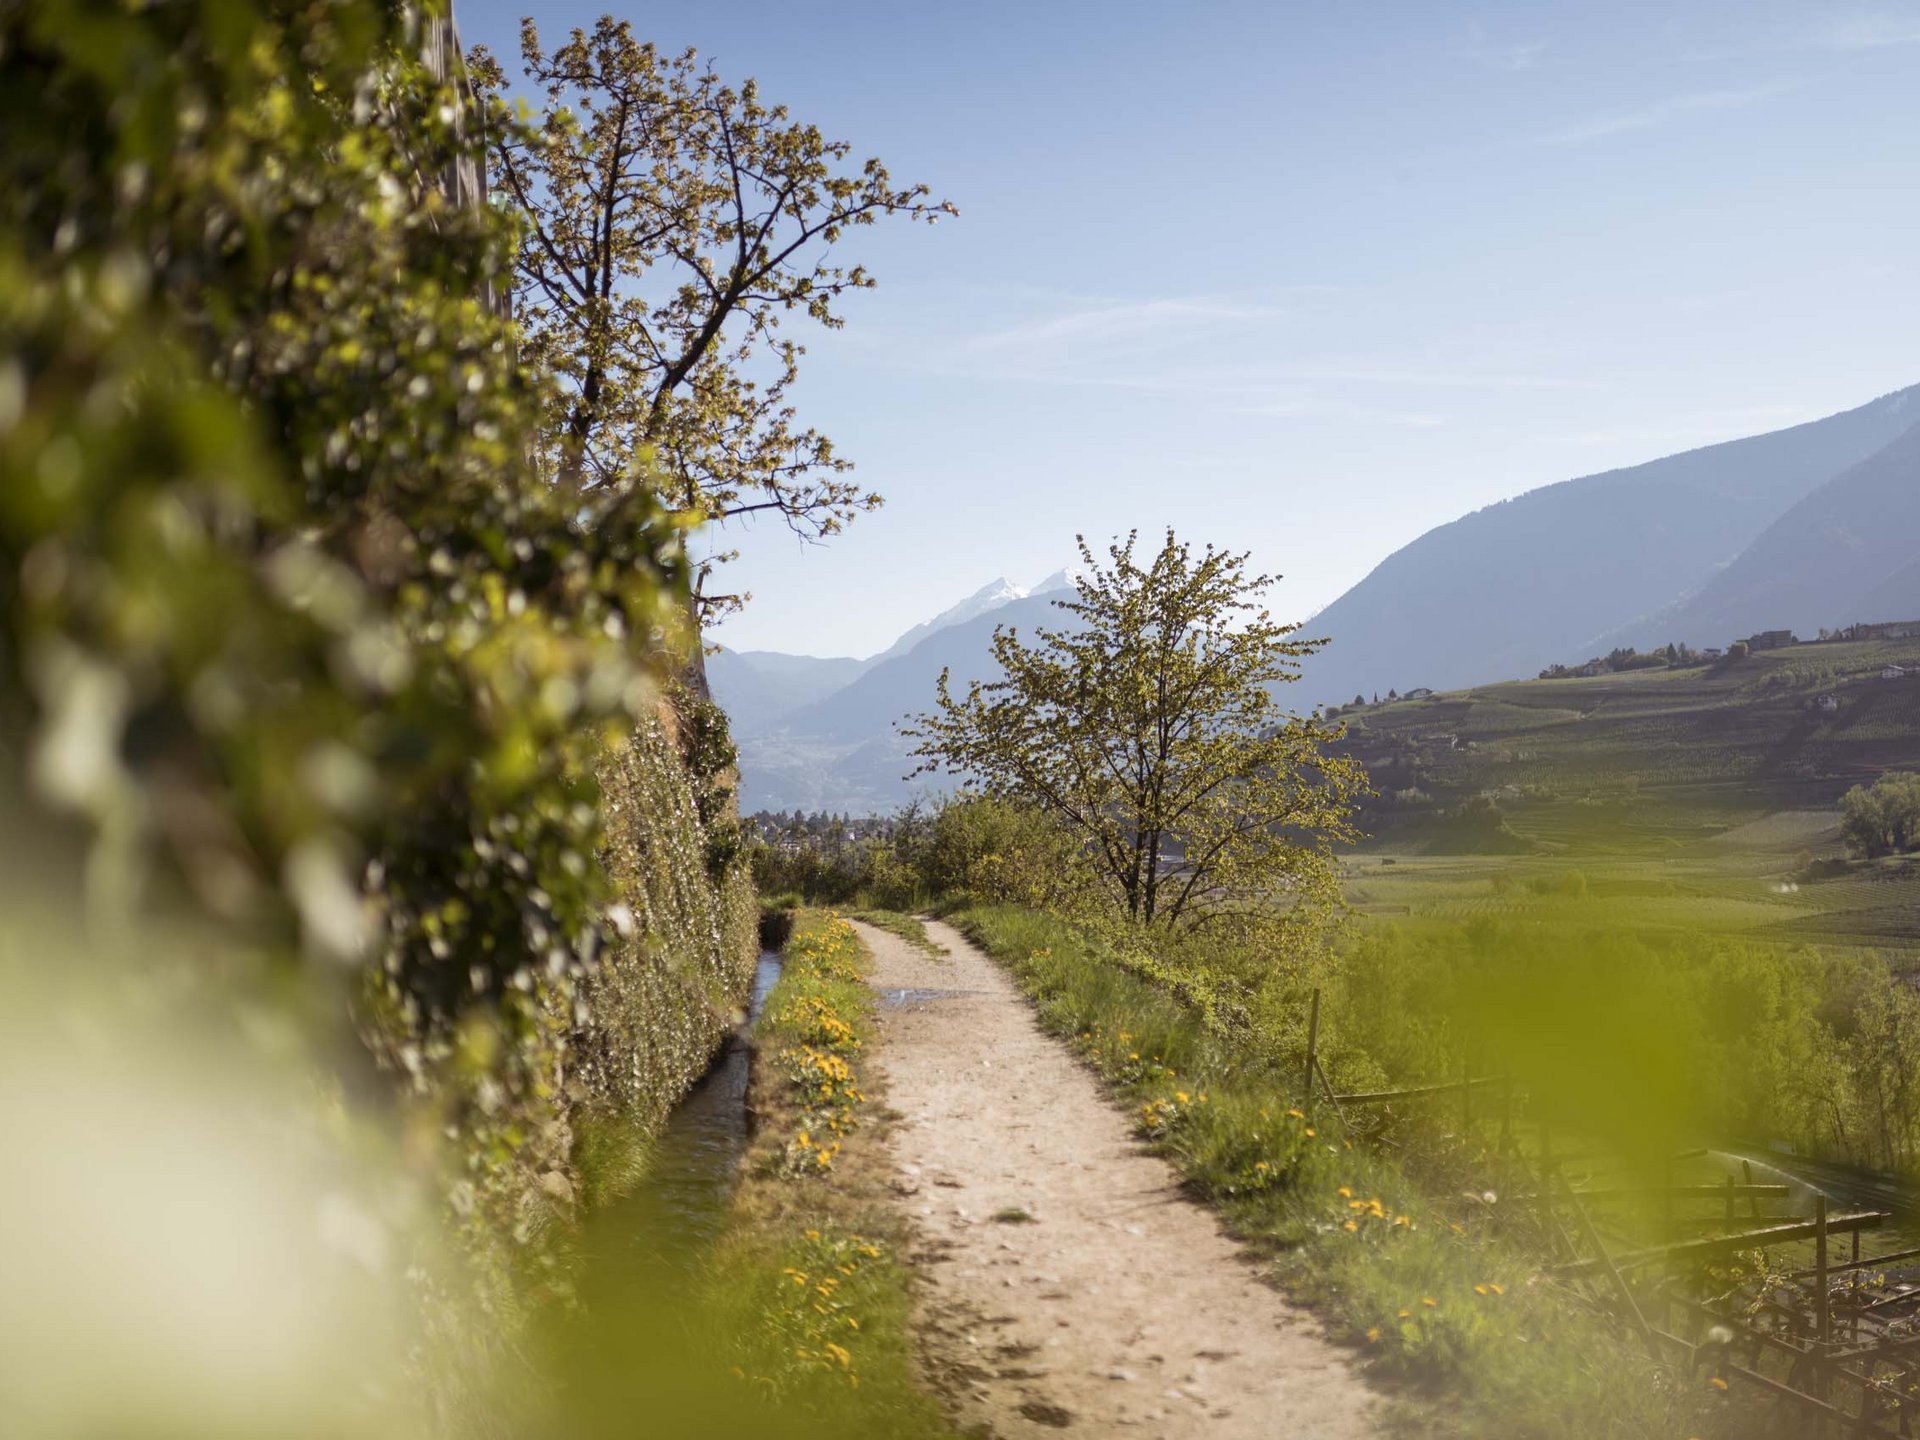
pixel 697 1158
pixel 672 1218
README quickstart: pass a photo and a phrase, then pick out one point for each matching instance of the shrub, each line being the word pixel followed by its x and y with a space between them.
pixel 1000 851
pixel 1884 818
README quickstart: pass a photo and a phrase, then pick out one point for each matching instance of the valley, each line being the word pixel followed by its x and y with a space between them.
pixel 1800 528
pixel 1702 799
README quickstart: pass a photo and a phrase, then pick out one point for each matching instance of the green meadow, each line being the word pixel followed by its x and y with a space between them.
pixel 1704 800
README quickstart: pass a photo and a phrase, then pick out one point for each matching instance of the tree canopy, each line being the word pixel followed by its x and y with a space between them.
pixel 674 224
pixel 1884 818
pixel 1148 723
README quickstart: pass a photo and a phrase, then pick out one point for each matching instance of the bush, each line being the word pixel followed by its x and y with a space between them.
pixel 1000 852
pixel 1884 818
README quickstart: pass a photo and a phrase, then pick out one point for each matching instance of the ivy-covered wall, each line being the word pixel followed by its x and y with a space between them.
pixel 687 926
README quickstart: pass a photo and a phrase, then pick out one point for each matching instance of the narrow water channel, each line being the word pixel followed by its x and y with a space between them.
pixel 697 1159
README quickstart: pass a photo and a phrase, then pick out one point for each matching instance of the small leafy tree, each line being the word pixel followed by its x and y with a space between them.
pixel 674 223
pixel 1884 818
pixel 1149 726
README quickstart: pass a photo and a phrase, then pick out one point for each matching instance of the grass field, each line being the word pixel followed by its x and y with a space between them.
pixel 1701 799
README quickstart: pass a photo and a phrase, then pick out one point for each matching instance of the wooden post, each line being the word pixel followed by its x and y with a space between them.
pixel 1313 1042
pixel 1613 1271
pixel 1820 1269
pixel 1753 1201
pixel 1332 1099
pixel 1729 1199
pixel 1853 1312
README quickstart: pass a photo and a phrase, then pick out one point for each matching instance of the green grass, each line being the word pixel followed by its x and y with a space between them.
pixel 910 928
pixel 611 1156
pixel 809 1294
pixel 1454 1315
pixel 1653 763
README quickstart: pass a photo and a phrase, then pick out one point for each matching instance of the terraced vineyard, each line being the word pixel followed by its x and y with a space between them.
pixel 1703 799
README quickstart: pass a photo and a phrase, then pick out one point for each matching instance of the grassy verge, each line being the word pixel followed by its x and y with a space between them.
pixel 813 1284
pixel 1458 1317
pixel 910 928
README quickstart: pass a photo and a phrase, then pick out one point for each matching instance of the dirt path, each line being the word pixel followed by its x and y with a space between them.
pixel 1119 1305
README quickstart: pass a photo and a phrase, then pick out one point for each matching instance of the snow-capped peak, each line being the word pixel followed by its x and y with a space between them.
pixel 990 596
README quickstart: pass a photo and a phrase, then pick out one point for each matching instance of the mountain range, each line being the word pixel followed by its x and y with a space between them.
pixel 1815 525
pixel 819 733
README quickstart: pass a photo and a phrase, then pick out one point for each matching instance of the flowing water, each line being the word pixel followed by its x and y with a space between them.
pixel 699 1152
pixel 679 1210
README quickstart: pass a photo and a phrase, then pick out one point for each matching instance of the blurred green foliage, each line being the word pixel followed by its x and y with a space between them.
pixel 285 604
pixel 1649 1043
pixel 296 645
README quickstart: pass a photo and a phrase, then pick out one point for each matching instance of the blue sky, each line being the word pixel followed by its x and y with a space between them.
pixel 1309 279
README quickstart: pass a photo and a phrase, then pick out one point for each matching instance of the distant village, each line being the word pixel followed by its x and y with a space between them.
pixel 791 831
pixel 1681 657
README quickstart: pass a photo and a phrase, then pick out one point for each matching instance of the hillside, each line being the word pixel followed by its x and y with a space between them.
pixel 1802 527
pixel 1649 755
pixel 1728 777
pixel 1510 588
pixel 1845 553
pixel 757 688
pixel 842 751
pixel 904 685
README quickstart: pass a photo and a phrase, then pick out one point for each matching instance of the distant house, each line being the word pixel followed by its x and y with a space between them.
pixel 1712 653
pixel 1420 694
pixel 1885 630
pixel 1893 672
pixel 1771 640
pixel 1827 704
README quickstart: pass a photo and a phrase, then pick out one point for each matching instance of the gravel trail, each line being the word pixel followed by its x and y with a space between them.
pixel 1069 1284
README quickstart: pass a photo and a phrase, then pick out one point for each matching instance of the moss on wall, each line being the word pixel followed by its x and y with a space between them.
pixel 664 995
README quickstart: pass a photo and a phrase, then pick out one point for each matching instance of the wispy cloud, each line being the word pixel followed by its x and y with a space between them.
pixel 1210 352
pixel 1661 112
pixel 1136 320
